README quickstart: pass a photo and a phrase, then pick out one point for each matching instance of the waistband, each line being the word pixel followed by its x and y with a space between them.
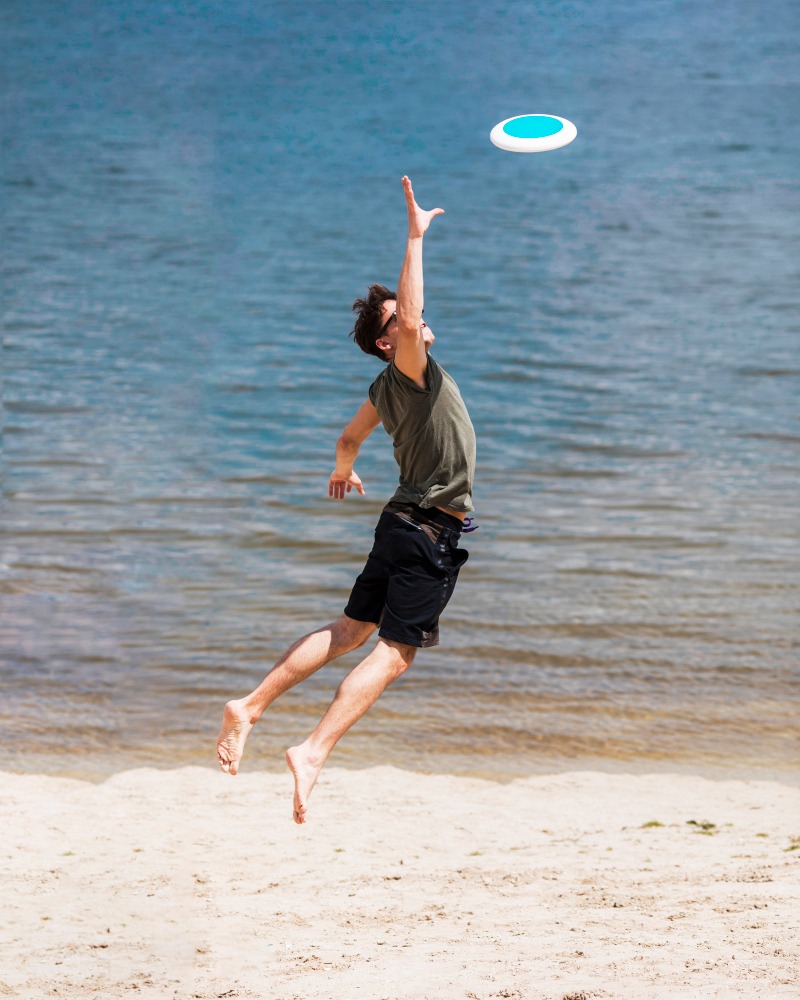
pixel 425 515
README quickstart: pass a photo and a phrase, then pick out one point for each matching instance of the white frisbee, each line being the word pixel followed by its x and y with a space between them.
pixel 533 133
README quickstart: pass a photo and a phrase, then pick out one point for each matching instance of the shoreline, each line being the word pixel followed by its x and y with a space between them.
pixel 186 882
pixel 549 767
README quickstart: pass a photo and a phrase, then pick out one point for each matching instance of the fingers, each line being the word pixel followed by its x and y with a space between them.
pixel 337 488
pixel 412 204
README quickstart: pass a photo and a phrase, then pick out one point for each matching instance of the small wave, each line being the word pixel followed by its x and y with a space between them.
pixel 756 372
pixel 771 436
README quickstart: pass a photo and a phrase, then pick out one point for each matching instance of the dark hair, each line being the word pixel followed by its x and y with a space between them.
pixel 368 319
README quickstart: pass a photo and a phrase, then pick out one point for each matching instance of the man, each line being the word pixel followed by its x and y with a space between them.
pixel 411 572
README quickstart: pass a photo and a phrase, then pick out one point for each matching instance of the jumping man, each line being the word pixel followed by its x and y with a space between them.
pixel 412 569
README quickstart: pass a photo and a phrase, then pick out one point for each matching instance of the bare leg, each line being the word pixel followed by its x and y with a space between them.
pixel 358 691
pixel 305 656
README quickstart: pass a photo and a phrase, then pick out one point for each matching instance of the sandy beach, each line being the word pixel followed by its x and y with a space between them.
pixel 188 883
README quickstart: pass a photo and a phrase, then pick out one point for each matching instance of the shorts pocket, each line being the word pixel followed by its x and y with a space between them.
pixel 449 557
pixel 459 555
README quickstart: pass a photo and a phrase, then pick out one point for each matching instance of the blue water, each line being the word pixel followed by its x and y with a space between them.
pixel 192 197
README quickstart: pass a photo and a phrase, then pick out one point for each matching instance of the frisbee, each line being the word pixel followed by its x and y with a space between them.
pixel 533 133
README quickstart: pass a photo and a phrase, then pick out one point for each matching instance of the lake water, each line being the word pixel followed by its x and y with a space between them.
pixel 193 195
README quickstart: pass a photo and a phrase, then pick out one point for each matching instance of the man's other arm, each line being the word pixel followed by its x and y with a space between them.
pixel 343 477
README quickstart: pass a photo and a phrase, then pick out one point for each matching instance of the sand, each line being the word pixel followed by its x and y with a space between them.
pixel 190 883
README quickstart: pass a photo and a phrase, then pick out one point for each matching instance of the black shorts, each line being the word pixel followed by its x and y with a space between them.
pixel 410 573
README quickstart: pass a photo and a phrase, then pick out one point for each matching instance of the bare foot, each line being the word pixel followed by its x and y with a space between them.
pixel 236 726
pixel 305 768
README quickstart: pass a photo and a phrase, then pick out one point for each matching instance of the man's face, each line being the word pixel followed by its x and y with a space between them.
pixel 387 341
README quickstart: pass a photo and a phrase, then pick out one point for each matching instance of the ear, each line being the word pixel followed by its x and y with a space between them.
pixel 385 346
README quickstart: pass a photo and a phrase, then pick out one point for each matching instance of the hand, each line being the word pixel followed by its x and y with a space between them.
pixel 340 484
pixel 418 220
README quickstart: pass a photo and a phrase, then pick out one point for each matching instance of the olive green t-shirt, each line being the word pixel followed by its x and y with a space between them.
pixel 433 437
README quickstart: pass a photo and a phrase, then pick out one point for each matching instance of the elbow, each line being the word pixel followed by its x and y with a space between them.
pixel 408 321
pixel 408 331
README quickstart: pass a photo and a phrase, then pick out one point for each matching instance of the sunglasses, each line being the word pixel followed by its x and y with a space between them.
pixel 389 321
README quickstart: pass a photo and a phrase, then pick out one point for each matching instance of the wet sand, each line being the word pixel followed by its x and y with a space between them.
pixel 188 883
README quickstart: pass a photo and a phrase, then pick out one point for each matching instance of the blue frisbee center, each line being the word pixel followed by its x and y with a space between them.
pixel 532 126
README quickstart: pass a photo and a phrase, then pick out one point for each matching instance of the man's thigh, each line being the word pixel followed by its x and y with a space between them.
pixel 350 632
pixel 422 578
pixel 368 596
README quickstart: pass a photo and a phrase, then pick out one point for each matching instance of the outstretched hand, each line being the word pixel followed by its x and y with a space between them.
pixel 338 485
pixel 418 220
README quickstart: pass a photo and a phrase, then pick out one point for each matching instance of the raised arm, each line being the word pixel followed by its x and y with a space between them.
pixel 343 478
pixel 411 355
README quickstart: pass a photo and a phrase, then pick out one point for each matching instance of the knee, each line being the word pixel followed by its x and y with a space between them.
pixel 400 656
pixel 405 662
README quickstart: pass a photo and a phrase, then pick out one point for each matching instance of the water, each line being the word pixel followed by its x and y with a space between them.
pixel 192 197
